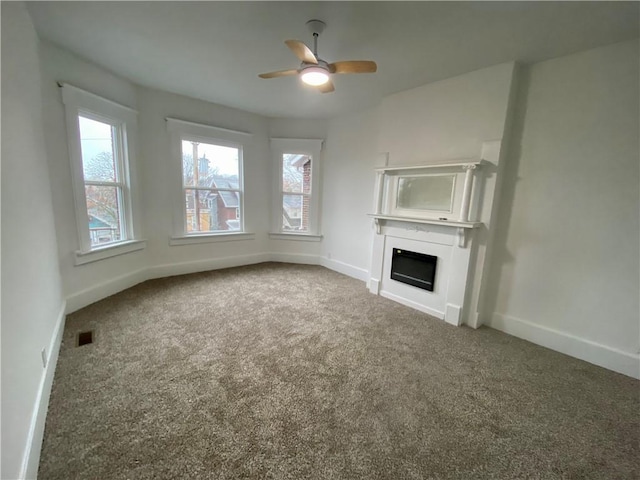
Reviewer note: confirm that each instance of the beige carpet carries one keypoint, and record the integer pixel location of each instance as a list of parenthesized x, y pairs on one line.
[(278, 371)]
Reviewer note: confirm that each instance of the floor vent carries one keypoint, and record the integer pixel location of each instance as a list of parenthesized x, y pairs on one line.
[(85, 338)]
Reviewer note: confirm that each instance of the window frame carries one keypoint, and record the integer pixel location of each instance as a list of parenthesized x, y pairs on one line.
[(240, 190), (182, 130), (297, 146), (123, 120), (302, 194), (121, 182)]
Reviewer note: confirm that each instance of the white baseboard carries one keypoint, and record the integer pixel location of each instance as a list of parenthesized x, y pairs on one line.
[(91, 295), (183, 268), (345, 268), (453, 314), (303, 258), (474, 320), (31, 458), (414, 305), (592, 352)]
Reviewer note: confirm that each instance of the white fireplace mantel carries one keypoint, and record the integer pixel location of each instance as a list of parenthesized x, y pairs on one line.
[(446, 233), (461, 227)]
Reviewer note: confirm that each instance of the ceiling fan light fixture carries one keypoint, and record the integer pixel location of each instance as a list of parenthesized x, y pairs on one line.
[(315, 71), (315, 76)]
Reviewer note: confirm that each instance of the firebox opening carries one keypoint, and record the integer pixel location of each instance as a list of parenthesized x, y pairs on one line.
[(412, 268)]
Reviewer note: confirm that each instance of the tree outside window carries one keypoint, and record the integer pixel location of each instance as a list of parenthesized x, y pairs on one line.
[(103, 180)]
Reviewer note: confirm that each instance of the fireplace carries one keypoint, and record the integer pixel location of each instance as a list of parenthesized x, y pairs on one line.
[(412, 268), (433, 220)]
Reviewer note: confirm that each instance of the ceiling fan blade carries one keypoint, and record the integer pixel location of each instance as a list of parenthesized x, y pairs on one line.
[(301, 51), (327, 87), (353, 66), (279, 73)]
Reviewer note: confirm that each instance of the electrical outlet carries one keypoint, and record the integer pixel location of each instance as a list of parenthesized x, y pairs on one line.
[(43, 353)]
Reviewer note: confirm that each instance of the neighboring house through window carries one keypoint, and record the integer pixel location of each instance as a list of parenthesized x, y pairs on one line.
[(211, 186), (100, 136)]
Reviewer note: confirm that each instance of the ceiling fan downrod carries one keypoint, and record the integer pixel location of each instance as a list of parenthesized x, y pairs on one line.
[(316, 27)]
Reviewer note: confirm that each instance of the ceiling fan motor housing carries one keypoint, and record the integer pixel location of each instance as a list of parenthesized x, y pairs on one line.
[(321, 63)]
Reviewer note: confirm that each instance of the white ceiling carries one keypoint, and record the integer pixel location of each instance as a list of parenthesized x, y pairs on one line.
[(214, 51)]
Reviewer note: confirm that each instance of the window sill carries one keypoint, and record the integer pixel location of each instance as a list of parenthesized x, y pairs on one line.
[(303, 237), (210, 238), (109, 251)]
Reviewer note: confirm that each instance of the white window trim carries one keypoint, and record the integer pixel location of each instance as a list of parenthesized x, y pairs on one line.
[(210, 238), (80, 102), (304, 237), (184, 130), (303, 146), (108, 251)]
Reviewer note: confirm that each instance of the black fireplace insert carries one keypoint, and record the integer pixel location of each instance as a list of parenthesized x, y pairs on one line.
[(412, 268)]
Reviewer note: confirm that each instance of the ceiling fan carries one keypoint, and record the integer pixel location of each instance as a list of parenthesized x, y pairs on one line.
[(315, 71)]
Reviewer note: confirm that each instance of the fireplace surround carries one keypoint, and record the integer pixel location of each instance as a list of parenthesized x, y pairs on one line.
[(454, 229)]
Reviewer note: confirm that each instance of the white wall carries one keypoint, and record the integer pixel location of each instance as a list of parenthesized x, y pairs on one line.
[(297, 128), (32, 300), (159, 179), (85, 283), (567, 271), (348, 181), (445, 120)]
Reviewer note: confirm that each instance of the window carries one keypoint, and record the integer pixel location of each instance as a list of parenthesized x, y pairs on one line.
[(100, 134), (296, 192), (211, 186), (209, 205), (296, 210), (104, 185)]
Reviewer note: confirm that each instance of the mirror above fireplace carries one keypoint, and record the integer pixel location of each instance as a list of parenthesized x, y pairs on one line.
[(437, 192)]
